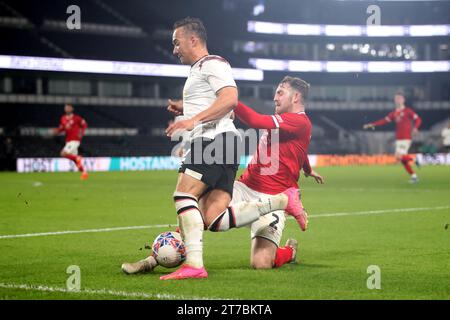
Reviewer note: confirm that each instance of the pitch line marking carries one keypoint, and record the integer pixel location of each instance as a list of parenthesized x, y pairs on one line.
[(26, 235), (161, 296), (360, 213), (322, 215)]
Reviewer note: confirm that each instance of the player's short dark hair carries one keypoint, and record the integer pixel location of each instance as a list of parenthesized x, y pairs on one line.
[(192, 25), (400, 93), (298, 85)]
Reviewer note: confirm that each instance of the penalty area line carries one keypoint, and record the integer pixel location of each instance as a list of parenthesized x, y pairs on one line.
[(123, 294)]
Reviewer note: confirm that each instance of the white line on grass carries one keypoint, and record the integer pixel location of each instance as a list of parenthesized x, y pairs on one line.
[(360, 213), (321, 215), (407, 190), (26, 235), (124, 294)]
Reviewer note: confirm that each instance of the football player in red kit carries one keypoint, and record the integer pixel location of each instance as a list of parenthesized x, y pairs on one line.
[(285, 142), (403, 117), (74, 127)]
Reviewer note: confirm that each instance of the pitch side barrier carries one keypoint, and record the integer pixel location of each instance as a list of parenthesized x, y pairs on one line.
[(172, 163)]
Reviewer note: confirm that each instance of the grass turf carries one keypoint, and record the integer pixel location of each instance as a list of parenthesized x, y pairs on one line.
[(412, 248)]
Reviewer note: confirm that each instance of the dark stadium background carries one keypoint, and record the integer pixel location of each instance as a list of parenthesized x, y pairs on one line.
[(141, 30)]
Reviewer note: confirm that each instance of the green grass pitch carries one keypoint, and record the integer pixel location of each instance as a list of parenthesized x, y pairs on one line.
[(362, 216)]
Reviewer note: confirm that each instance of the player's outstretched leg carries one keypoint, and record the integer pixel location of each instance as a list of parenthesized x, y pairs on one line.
[(244, 213), (141, 266), (286, 254)]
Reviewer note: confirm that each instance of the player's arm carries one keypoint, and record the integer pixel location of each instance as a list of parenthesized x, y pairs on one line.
[(226, 101), (377, 123), (316, 176), (59, 129), (219, 76), (309, 172), (252, 118), (417, 122), (175, 106), (292, 123), (307, 167), (83, 125)]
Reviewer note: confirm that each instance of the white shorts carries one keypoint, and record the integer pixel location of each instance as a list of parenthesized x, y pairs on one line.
[(269, 226), (71, 147), (402, 147)]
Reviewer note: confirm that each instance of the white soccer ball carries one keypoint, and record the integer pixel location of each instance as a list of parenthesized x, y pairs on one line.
[(168, 249)]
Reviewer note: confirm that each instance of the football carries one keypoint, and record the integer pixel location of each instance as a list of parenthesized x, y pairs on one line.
[(168, 249)]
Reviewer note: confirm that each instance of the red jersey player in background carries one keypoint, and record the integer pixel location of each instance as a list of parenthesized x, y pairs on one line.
[(74, 127), (403, 117), (286, 143)]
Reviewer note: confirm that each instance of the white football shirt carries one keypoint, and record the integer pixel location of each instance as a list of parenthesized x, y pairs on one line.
[(206, 77)]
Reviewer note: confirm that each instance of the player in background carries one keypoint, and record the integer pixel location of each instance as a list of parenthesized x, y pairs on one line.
[(403, 117), (74, 127), (294, 130), (445, 134), (209, 97)]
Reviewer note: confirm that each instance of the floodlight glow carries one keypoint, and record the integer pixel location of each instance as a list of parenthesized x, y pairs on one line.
[(430, 66), (343, 31), (350, 66), (348, 30), (386, 66), (385, 31), (303, 29), (266, 27), (429, 30), (344, 66), (112, 67), (304, 66), (269, 64)]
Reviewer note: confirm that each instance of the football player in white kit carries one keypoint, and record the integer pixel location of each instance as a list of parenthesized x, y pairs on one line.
[(209, 169)]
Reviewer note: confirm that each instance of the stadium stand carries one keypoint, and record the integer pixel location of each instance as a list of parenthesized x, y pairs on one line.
[(339, 102)]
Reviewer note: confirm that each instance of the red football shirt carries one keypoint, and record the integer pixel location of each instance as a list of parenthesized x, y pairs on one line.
[(403, 122), (281, 153), (74, 127)]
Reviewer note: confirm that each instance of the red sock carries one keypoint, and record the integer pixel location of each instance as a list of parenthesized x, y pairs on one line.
[(283, 256), (74, 159), (71, 157), (405, 161), (407, 157), (80, 167)]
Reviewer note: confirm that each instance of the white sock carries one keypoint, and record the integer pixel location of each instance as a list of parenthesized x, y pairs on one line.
[(191, 226), (244, 213), (151, 261)]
